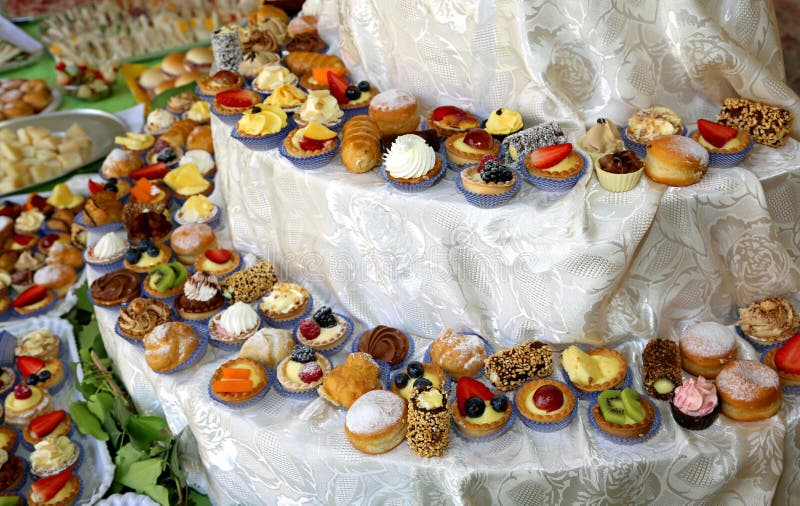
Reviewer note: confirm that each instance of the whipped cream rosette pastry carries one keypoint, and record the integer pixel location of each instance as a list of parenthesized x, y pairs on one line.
[(411, 164), (234, 325), (695, 404), (271, 77), (201, 297), (769, 321), (320, 107), (106, 254)]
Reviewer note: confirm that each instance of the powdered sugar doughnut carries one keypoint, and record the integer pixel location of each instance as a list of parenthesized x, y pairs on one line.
[(675, 160), (395, 112), (706, 347), (749, 390), (376, 421)]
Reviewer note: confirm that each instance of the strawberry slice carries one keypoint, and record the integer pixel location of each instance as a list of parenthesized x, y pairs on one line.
[(49, 240), (10, 211), (218, 256), (311, 144), (29, 365), (787, 358), (34, 294), (338, 86), (444, 111), (715, 133), (235, 98), (45, 489), (153, 171), (23, 240), (45, 424), (35, 201), (549, 156), (95, 187), (468, 387)]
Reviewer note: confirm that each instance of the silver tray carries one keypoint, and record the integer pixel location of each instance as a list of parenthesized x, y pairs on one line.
[(30, 60), (101, 127)]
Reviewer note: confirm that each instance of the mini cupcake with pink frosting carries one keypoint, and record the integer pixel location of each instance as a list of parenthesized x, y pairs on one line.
[(695, 404)]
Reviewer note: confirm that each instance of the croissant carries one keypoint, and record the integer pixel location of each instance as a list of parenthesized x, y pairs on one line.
[(176, 134), (361, 144), (302, 62)]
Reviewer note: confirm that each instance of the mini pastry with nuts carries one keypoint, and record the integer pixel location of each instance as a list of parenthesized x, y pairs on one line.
[(512, 367)]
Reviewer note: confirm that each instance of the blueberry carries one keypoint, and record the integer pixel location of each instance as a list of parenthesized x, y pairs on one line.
[(499, 111), (401, 380), (415, 369), (422, 383), (146, 244), (32, 380), (44, 375), (112, 180), (153, 250), (474, 407), (364, 86), (132, 255), (255, 110), (112, 187), (166, 155), (499, 403), (352, 92)]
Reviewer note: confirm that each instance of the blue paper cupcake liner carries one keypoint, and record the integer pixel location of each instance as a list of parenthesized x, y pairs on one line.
[(26, 471), (45, 309), (592, 396), (263, 143), (550, 427), (222, 344), (446, 387), (292, 323), (180, 200), (505, 428), (228, 119), (170, 301), (136, 342), (355, 111), (213, 223), (787, 389), (411, 350), (70, 434), (5, 315), (202, 334), (330, 352), (639, 149), (75, 468), (727, 160), (53, 390), (414, 187), (103, 229), (307, 395), (488, 201), (624, 440), (271, 380), (103, 268), (203, 96), (554, 185), (311, 162), (760, 347), (489, 351)]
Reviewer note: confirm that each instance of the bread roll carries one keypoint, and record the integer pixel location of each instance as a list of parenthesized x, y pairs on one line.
[(675, 160), (302, 62), (361, 144)]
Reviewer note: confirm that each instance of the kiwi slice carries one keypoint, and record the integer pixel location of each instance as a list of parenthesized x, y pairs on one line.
[(162, 278), (610, 402), (632, 405), (181, 274)]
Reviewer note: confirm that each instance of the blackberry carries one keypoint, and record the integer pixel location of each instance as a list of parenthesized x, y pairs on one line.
[(495, 172), (499, 403), (325, 318), (474, 407), (401, 380), (303, 354)]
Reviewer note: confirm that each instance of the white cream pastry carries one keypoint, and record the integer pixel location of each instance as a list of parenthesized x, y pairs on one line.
[(409, 157), (199, 112), (159, 121), (28, 222), (200, 159), (53, 455), (110, 248), (201, 287), (39, 343), (273, 76), (236, 323), (320, 107), (197, 209)]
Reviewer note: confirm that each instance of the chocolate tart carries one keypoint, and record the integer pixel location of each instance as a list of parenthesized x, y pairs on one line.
[(116, 288), (12, 473)]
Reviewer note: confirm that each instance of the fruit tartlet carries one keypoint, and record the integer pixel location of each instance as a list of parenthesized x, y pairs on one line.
[(201, 297), (554, 168), (9, 439), (120, 187), (146, 256), (34, 300), (411, 164), (769, 321), (478, 412), (138, 143), (7, 379), (468, 148), (262, 127), (223, 80), (489, 184), (546, 405), (232, 327), (785, 360), (387, 344), (320, 107), (726, 145), (54, 455), (54, 424), (284, 304), (353, 99), (695, 404), (21, 242), (141, 316), (198, 209), (47, 374), (302, 372), (318, 78), (271, 77), (26, 403), (239, 381), (115, 288), (325, 331), (162, 152), (449, 120), (344, 384), (228, 105), (418, 375), (623, 415), (287, 97), (165, 281), (41, 343), (12, 472), (219, 262), (595, 370), (147, 192), (186, 181), (106, 254), (503, 122), (310, 147), (62, 489)]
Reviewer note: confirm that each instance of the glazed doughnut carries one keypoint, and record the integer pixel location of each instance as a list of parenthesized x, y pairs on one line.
[(675, 160), (706, 347), (376, 422), (748, 390), (395, 112), (458, 354), (191, 240)]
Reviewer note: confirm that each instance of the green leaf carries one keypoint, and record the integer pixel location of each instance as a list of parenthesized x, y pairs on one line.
[(146, 429), (83, 304), (100, 404), (126, 456), (159, 494), (142, 475), (120, 412), (198, 499), (87, 423)]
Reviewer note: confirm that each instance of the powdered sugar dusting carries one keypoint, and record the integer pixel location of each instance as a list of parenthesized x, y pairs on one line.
[(374, 411), (687, 148), (745, 379), (708, 339), (391, 99), (50, 274)]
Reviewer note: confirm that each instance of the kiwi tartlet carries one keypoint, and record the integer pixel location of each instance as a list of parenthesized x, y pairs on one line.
[(166, 280), (623, 413)]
